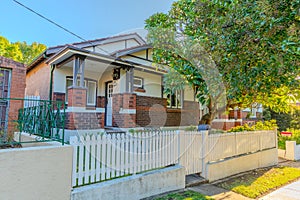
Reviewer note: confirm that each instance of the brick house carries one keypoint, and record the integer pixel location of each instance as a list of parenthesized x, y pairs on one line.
[(12, 85), (109, 83)]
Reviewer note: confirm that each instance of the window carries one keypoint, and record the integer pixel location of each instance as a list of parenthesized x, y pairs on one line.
[(91, 93), (175, 99), (138, 82), (91, 90)]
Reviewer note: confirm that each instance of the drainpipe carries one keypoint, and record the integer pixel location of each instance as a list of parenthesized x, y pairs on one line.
[(51, 82)]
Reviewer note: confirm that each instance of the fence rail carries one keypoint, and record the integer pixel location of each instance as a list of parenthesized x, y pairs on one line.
[(221, 146), (103, 157), (107, 156), (43, 118)]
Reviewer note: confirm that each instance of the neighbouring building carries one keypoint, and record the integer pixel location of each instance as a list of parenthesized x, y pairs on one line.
[(12, 85)]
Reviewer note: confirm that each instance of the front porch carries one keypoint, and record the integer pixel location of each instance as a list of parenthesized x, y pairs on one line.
[(88, 84), (104, 92)]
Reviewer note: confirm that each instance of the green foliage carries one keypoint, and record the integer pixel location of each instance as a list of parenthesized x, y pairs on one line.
[(254, 45), (266, 125), (173, 81), (272, 179), (284, 120), (295, 137), (20, 51), (186, 195)]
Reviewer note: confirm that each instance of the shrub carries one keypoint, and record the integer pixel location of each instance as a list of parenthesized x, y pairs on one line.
[(266, 125), (284, 120), (295, 137)]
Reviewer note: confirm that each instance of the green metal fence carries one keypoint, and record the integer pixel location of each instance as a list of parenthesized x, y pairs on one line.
[(42, 118)]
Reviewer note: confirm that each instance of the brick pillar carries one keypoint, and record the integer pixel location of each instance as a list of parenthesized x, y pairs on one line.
[(77, 97), (101, 102), (123, 105), (239, 115)]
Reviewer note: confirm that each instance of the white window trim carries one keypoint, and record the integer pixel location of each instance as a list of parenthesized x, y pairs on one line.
[(142, 82), (176, 102), (94, 100)]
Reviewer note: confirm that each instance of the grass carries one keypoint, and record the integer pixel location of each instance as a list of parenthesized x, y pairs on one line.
[(255, 185), (186, 195)]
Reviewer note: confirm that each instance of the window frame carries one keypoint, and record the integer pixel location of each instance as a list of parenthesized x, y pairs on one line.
[(95, 93), (177, 105), (142, 82)]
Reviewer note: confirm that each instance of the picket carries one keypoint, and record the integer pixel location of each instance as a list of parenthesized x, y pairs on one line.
[(98, 157), (102, 157)]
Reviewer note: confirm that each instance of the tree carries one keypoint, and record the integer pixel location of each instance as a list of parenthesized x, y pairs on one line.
[(253, 47), (30, 51), (9, 50), (20, 51)]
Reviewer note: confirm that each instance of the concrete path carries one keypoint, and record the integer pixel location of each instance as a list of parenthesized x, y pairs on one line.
[(216, 192), (288, 192)]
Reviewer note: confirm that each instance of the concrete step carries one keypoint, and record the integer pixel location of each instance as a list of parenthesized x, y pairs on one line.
[(194, 179)]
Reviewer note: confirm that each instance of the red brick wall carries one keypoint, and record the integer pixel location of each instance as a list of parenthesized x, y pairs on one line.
[(162, 116), (143, 106), (188, 115), (84, 121), (101, 102), (59, 96), (77, 97), (17, 90), (38, 81), (124, 101)]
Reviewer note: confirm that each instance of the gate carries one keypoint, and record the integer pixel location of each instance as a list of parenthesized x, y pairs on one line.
[(191, 151), (5, 77)]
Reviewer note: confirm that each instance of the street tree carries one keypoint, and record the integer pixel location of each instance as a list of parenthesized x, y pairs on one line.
[(251, 49)]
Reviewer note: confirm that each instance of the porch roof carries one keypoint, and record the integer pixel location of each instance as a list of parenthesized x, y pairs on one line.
[(70, 51)]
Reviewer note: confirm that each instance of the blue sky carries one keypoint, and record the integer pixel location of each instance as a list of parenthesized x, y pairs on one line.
[(88, 18)]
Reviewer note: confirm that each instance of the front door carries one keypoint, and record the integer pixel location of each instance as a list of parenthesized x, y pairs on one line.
[(4, 94), (109, 106)]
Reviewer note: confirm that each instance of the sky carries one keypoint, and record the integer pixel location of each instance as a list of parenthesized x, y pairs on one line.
[(89, 19)]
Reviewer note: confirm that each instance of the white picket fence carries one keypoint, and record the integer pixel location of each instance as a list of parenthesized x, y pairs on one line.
[(31, 101), (191, 153), (103, 157), (221, 146)]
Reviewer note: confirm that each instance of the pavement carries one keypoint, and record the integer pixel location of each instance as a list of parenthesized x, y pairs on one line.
[(287, 192)]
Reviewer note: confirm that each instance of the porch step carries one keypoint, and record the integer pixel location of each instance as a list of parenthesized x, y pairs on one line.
[(112, 130), (194, 179)]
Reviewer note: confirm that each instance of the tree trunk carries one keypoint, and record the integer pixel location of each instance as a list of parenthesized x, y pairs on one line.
[(209, 117)]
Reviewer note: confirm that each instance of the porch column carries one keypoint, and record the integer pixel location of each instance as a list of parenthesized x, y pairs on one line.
[(78, 69), (129, 80), (77, 94)]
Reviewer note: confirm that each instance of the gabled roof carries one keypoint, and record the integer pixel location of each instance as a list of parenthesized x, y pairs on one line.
[(101, 41), (85, 44), (131, 50)]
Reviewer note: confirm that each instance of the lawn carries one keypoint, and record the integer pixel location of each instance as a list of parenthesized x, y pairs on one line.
[(186, 195), (262, 181)]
